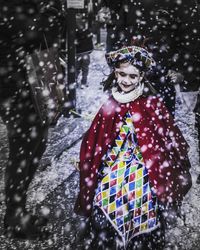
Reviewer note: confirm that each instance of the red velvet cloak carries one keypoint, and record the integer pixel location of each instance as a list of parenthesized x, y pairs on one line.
[(163, 148)]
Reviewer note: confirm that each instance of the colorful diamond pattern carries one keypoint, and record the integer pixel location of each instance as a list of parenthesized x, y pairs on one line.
[(124, 192)]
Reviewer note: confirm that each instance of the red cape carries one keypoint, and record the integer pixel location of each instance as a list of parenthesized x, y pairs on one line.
[(163, 147)]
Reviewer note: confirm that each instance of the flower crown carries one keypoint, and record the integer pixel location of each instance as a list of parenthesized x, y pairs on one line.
[(137, 56)]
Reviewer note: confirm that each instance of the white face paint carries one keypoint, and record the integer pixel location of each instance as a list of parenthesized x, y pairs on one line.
[(128, 77)]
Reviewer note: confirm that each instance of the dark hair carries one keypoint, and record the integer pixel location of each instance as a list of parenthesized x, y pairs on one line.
[(109, 82)]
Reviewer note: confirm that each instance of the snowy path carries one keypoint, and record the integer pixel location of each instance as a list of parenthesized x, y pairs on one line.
[(73, 128), (186, 235)]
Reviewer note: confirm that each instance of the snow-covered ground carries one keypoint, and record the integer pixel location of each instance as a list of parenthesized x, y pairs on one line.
[(185, 234), (89, 101)]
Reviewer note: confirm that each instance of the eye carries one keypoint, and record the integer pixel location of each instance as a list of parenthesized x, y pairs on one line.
[(122, 74), (132, 76)]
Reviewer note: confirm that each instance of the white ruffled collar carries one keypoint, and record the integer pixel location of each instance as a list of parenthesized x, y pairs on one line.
[(122, 97)]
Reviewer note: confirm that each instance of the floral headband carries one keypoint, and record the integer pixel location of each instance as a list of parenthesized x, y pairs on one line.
[(137, 56)]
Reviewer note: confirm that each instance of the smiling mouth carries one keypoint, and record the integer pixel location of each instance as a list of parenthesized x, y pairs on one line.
[(125, 86)]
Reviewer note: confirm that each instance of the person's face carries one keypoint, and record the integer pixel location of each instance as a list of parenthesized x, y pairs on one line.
[(128, 77)]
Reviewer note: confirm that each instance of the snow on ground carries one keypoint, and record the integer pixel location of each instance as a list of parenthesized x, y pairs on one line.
[(185, 234), (89, 100)]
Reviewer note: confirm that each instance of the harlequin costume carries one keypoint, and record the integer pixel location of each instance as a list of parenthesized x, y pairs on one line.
[(123, 192), (162, 146), (132, 157)]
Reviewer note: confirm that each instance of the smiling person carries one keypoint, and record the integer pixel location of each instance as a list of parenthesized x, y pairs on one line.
[(133, 160), (128, 77)]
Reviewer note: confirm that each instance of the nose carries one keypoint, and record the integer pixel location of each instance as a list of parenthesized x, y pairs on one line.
[(127, 80)]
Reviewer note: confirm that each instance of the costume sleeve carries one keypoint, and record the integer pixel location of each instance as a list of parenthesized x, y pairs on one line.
[(88, 168), (168, 127), (96, 141), (171, 165)]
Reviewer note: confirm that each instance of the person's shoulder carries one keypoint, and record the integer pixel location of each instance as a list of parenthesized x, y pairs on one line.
[(150, 101), (109, 102), (148, 98), (109, 107)]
